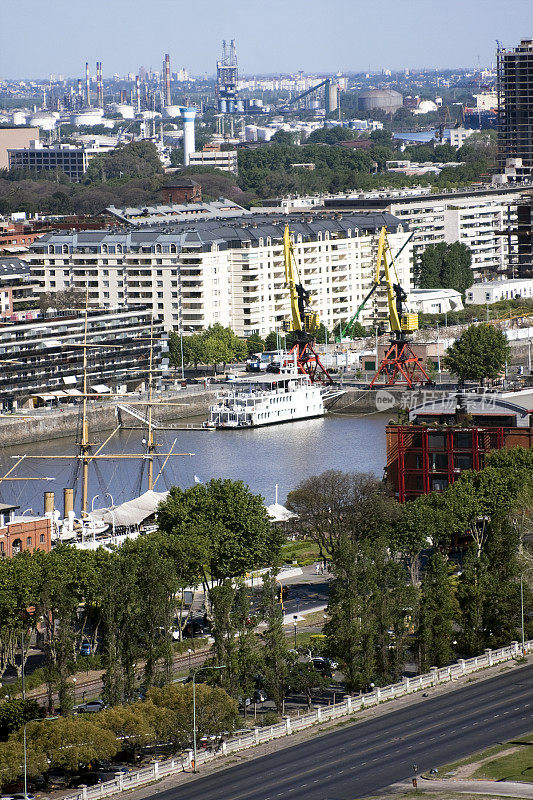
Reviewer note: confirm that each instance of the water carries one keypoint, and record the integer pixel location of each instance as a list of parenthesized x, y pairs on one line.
[(261, 457)]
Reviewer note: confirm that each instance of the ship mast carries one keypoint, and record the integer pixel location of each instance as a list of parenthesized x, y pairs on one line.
[(151, 444), (84, 444)]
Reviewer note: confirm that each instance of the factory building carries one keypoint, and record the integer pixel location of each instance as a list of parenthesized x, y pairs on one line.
[(227, 77), (515, 105), (40, 157), (492, 291), (225, 160), (201, 272)]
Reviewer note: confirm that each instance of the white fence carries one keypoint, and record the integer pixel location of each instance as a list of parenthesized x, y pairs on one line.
[(289, 725)]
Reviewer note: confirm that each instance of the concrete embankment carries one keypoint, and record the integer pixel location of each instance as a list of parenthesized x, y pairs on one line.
[(57, 423), (368, 401)]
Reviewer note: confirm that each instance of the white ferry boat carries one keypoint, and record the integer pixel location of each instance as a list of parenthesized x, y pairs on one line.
[(267, 400)]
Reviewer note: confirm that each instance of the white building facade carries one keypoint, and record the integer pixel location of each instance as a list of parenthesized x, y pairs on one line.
[(492, 291), (227, 272)]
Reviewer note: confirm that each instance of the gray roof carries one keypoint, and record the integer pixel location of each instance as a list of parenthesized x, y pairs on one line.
[(226, 233), (479, 404), (13, 266)]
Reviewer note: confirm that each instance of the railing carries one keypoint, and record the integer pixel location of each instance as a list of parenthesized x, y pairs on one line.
[(290, 725)]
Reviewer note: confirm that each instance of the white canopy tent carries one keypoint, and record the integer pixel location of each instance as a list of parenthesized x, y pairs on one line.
[(131, 513), (279, 513)]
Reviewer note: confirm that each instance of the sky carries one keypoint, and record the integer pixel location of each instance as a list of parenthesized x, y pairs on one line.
[(43, 37)]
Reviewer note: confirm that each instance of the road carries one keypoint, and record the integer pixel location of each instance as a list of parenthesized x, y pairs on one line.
[(359, 760)]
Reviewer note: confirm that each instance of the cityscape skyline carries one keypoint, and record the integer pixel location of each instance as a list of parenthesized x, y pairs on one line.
[(311, 36)]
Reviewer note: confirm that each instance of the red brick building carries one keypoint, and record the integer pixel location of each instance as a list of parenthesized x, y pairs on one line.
[(183, 190), (19, 533), (447, 436)]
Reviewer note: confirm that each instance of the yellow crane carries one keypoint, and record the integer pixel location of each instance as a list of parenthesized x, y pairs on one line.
[(400, 365), (304, 320)]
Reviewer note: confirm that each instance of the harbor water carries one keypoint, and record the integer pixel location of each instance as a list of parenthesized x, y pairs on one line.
[(261, 457)]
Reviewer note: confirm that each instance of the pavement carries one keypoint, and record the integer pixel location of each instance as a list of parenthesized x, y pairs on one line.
[(363, 758), (450, 786)]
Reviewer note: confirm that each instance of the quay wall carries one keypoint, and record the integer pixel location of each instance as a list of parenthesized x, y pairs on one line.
[(49, 424)]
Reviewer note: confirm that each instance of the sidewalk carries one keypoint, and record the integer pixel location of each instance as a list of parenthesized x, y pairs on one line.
[(451, 786)]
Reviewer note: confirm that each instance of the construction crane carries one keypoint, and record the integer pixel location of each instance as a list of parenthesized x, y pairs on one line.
[(346, 330), (400, 365), (304, 320)]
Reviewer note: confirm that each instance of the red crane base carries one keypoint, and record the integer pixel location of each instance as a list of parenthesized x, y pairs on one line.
[(401, 367), (308, 362)]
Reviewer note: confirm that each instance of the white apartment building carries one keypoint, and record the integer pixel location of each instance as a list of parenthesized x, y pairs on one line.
[(227, 271), (476, 217)]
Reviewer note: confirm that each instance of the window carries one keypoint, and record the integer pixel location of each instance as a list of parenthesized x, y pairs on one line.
[(41, 538), (28, 541)]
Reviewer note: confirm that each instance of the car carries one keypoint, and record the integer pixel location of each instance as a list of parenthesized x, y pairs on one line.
[(195, 627), (86, 649), (91, 707), (22, 796)]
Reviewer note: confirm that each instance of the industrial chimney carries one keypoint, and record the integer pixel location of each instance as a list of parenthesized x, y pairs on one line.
[(137, 93), (189, 146), (87, 85), (166, 73), (99, 85), (80, 94)]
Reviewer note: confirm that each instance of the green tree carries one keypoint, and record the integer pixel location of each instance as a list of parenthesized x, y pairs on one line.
[(216, 711), (254, 344), (438, 610), (228, 520), (275, 654), (447, 266), (480, 353), (70, 742), (14, 713)]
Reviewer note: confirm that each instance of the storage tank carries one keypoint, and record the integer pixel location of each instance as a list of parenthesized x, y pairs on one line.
[(126, 111), (19, 118), (45, 121), (90, 117), (250, 133), (425, 106), (170, 112), (383, 99)]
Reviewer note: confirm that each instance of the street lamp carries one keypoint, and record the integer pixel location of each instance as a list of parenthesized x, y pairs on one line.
[(295, 621), (529, 569), (189, 652), (222, 666)]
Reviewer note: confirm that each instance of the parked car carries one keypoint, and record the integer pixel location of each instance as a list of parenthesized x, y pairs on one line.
[(195, 627), (22, 796), (91, 707)]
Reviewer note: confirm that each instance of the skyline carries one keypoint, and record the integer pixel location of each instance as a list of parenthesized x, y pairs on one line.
[(276, 37)]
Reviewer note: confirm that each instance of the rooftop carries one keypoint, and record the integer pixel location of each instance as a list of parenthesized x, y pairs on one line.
[(203, 233)]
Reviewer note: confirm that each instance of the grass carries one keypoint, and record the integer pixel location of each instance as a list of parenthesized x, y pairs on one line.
[(513, 766), (301, 552), (517, 766)]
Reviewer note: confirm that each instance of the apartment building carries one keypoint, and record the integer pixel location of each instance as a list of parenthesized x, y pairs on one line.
[(227, 271), (477, 218), (43, 358), (41, 157), (220, 159)]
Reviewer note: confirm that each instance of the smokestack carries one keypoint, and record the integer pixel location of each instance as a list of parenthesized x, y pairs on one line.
[(99, 85), (68, 501), (188, 115), (87, 85), (137, 93), (166, 70), (48, 503), (80, 93)]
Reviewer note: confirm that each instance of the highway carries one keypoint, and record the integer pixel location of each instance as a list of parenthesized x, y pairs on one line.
[(358, 760)]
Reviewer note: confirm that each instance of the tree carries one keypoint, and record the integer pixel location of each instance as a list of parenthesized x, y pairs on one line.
[(447, 266), (70, 742), (14, 713), (254, 344), (275, 653), (216, 711), (438, 609), (480, 353), (228, 521), (336, 503)]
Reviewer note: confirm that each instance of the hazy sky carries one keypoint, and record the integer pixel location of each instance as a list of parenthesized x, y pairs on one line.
[(39, 37)]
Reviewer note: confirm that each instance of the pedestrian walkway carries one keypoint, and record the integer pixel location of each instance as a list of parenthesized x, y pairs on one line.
[(451, 786)]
